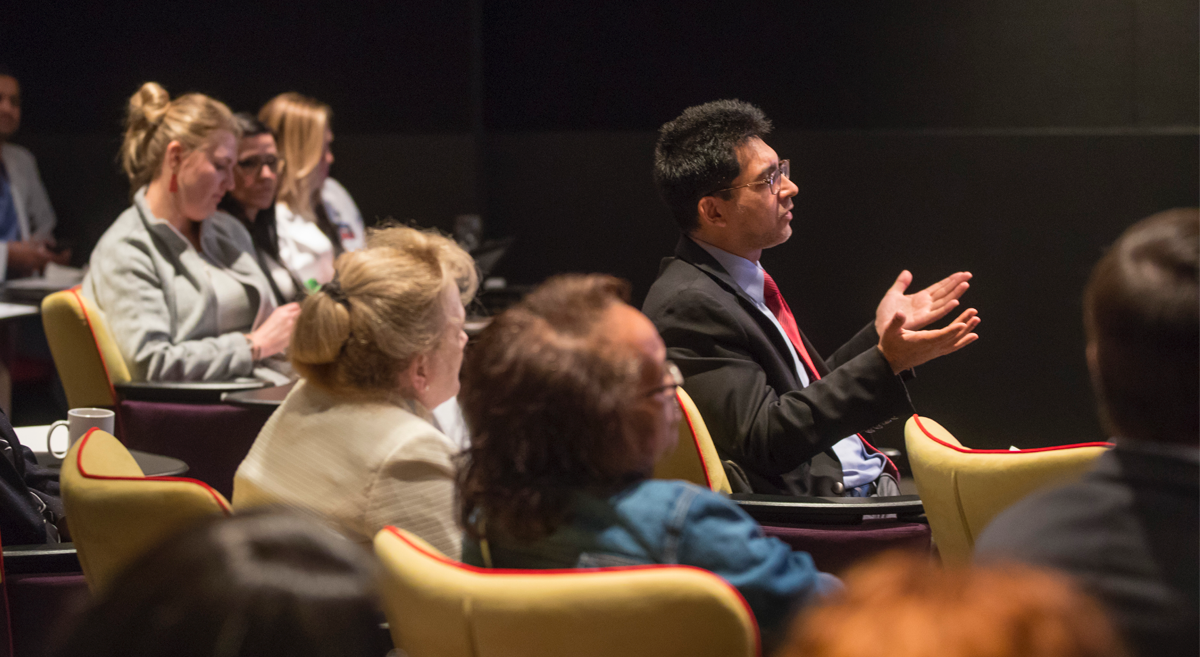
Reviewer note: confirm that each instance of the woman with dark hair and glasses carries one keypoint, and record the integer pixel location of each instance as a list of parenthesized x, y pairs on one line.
[(252, 202), (571, 401), (260, 585)]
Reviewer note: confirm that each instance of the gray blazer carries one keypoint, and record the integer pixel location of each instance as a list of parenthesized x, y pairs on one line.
[(152, 287)]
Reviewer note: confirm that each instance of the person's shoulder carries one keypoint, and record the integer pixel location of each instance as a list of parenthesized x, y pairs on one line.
[(1049, 520), (15, 155), (230, 229), (332, 187), (408, 436), (128, 229), (682, 283), (670, 497)]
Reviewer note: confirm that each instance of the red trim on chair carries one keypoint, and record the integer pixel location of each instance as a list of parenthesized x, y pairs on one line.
[(582, 571), (695, 441), (99, 352), (965, 450), (79, 464)]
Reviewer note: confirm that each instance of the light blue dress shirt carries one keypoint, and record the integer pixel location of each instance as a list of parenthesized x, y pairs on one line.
[(858, 467)]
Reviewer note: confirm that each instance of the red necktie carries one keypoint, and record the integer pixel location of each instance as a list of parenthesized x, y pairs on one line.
[(779, 307)]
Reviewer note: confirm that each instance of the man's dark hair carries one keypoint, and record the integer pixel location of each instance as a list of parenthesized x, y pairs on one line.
[(697, 153), (6, 71), (1142, 317), (551, 405)]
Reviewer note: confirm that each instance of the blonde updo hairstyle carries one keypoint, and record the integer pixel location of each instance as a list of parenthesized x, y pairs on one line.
[(153, 121), (299, 123), (384, 308)]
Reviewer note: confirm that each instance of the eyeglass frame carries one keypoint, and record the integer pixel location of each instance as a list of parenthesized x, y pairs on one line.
[(257, 171), (775, 178), (670, 369)]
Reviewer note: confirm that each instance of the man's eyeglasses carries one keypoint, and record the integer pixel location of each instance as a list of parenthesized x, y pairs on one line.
[(773, 181), (672, 379), (254, 165)]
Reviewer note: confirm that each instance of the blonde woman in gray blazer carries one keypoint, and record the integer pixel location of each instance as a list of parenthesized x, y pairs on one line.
[(178, 282)]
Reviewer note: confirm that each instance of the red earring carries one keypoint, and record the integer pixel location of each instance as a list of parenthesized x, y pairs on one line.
[(174, 184)]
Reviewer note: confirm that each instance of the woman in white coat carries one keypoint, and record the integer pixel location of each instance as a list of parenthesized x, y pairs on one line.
[(315, 217)]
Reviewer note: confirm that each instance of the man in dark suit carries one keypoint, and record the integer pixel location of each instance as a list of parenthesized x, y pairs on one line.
[(783, 418), (1129, 530)]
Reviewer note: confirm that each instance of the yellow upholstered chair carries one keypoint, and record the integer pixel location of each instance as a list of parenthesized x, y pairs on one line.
[(116, 513), (85, 354), (695, 457), (440, 608), (964, 489)]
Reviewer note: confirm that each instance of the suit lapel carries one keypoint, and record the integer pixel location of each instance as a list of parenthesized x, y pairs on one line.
[(693, 254)]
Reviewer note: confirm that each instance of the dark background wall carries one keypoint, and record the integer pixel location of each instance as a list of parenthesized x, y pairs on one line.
[(1014, 141)]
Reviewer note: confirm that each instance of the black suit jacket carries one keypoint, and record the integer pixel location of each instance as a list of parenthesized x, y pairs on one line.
[(1129, 531), (738, 369)]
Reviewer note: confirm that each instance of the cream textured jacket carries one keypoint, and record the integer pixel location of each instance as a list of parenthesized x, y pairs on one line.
[(359, 465)]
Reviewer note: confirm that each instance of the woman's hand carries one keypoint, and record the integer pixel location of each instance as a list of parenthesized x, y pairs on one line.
[(275, 334)]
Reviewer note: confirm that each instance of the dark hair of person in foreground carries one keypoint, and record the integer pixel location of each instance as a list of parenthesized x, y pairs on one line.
[(1140, 312), (553, 409), (906, 605), (261, 584)]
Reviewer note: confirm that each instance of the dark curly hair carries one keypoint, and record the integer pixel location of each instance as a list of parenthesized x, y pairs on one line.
[(696, 153), (550, 402)]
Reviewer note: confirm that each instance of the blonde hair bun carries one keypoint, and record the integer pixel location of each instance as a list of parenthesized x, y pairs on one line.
[(153, 121), (385, 307)]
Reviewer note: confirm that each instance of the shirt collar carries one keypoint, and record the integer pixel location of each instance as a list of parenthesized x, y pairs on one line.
[(748, 275)]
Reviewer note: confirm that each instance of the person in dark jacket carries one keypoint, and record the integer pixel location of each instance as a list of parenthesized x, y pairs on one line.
[(1129, 530)]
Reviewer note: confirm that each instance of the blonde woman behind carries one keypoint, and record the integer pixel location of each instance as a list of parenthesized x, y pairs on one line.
[(316, 218), (177, 281), (378, 347)]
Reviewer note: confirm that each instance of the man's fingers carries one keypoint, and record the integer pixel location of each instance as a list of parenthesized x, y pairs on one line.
[(965, 340), (902, 282), (952, 286)]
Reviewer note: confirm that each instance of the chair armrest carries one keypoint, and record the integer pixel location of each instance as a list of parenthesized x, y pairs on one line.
[(786, 509), (184, 392), (57, 558)]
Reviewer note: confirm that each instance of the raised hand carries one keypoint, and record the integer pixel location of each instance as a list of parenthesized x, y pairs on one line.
[(905, 349), (920, 308)]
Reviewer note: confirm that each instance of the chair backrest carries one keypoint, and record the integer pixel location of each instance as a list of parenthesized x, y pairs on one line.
[(117, 513), (85, 354), (964, 489), (438, 607), (695, 457)]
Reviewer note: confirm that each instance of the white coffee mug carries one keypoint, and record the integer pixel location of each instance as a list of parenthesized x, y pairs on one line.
[(78, 422)]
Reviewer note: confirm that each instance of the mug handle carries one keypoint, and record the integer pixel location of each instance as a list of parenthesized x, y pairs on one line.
[(50, 435)]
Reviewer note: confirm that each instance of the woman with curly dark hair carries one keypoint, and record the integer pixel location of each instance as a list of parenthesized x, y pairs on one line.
[(571, 401)]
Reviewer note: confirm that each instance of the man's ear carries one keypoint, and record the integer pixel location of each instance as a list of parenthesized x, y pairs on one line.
[(709, 212)]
